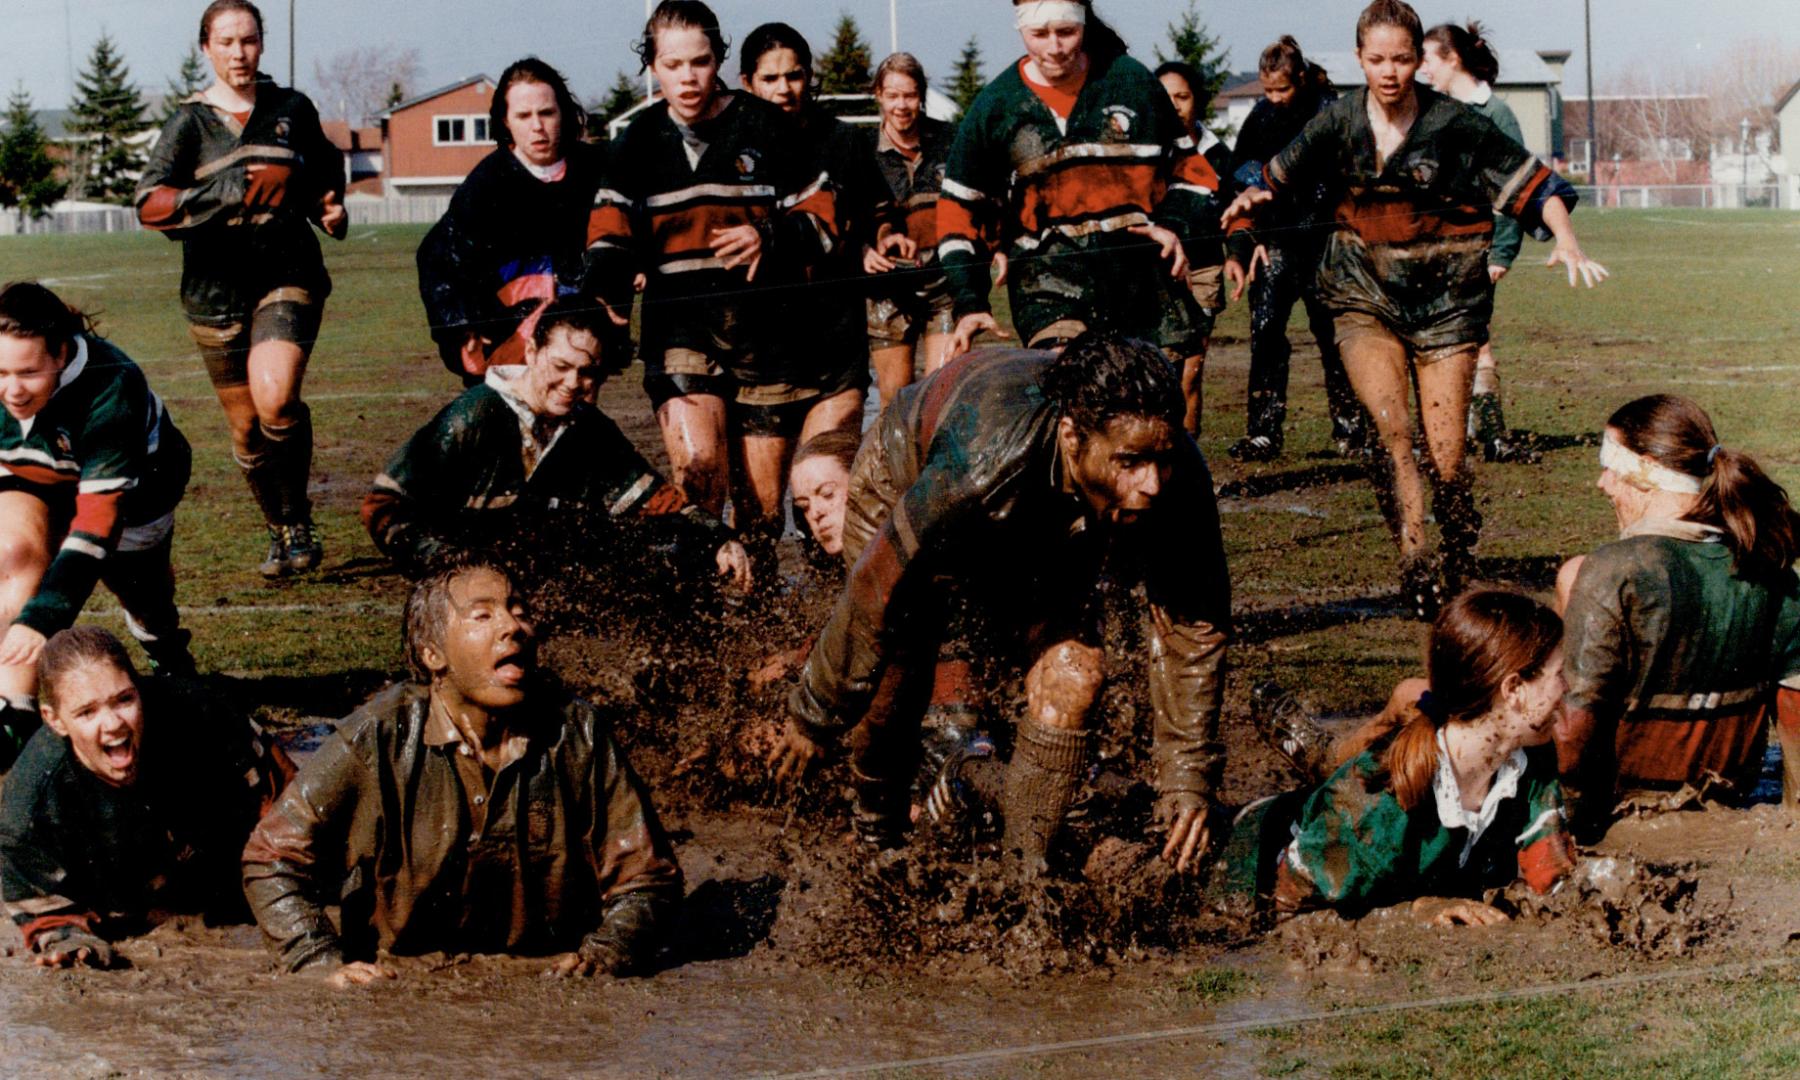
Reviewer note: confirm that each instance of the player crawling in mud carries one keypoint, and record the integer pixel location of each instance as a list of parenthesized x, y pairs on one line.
[(477, 808), (129, 803), (1017, 476), (1450, 791), (526, 451)]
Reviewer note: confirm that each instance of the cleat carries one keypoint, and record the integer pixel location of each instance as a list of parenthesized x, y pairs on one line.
[(948, 801), (1254, 448), (1283, 722)]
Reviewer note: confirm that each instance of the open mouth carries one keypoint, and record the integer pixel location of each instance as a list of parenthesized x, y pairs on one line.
[(511, 668), (119, 752)]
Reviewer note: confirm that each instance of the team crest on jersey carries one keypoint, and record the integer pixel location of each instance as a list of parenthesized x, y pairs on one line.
[(1119, 120), (65, 445), (282, 127), (746, 163)]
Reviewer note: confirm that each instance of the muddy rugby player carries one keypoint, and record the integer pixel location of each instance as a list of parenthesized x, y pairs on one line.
[(476, 808), (1013, 478)]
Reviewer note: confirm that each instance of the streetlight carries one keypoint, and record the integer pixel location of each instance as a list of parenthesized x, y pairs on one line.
[(1744, 180)]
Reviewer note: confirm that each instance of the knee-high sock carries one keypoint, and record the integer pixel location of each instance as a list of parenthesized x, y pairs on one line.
[(1040, 783), (261, 470), (291, 447), (1486, 422), (145, 586)]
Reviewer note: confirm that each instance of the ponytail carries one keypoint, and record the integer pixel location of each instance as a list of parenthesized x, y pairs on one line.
[(1736, 495), (1470, 46)]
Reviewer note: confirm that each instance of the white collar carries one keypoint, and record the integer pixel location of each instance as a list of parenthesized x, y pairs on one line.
[(1674, 529), (73, 369), (1482, 95), (504, 379), (549, 174), (1449, 796), (1207, 139)]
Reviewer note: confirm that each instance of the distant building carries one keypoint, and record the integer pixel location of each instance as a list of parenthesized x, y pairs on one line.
[(1787, 133), (362, 155), (1641, 139), (430, 143)]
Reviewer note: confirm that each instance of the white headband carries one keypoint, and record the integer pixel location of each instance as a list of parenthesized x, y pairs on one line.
[(1035, 13), (1641, 472)]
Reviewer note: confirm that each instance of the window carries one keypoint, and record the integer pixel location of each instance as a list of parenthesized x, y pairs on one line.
[(459, 130)]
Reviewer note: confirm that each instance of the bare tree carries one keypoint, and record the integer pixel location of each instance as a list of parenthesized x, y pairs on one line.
[(1664, 116), (355, 84), (1744, 84)]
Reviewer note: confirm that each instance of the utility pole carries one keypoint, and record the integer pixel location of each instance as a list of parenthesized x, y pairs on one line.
[(649, 76), (1587, 18), (291, 42), (893, 26)]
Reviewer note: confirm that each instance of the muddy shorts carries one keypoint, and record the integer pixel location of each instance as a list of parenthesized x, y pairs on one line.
[(1424, 346), (1208, 286), (773, 409), (901, 319), (286, 314)]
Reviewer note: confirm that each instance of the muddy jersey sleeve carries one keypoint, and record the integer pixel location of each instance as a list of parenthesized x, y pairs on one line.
[(424, 478), (639, 880), (1505, 174), (35, 880), (970, 207), (1312, 155), (1597, 659), (804, 228), (171, 198), (1546, 849), (610, 260), (1349, 843), (629, 487), (301, 855)]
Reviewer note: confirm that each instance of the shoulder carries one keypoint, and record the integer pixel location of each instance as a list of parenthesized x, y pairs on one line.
[(1632, 557), (1002, 94), (382, 715), (292, 101), (110, 384), (35, 780), (645, 127), (499, 163), (1125, 69)]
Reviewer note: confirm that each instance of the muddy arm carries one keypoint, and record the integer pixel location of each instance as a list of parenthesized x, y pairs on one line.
[(640, 881), (1187, 680)]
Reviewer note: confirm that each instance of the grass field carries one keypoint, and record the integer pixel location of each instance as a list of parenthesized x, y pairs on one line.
[(1703, 304)]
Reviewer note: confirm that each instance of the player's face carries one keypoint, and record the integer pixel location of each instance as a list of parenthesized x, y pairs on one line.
[(1629, 502), (821, 487), (779, 79), (28, 374), (1056, 49), (1390, 62), (899, 103), (234, 45), (1122, 469), (489, 646), (1438, 67), (1181, 96), (534, 120), (1277, 88), (685, 70), (1530, 719), (563, 372), (99, 711)]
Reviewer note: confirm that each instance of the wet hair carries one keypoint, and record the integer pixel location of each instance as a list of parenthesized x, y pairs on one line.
[(681, 15), (220, 7), (1470, 46), (428, 606), (839, 443), (900, 63), (1285, 58), (1102, 375), (1479, 639), (1100, 41), (767, 38), (573, 312), (29, 310), (76, 647), (1736, 495), (1396, 13), (533, 70)]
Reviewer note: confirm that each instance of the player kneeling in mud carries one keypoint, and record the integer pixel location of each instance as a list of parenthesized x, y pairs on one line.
[(1452, 790), (129, 803), (1012, 479), (477, 808), (524, 455)]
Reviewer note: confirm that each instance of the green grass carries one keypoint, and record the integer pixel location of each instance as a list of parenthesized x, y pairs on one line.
[(1214, 984)]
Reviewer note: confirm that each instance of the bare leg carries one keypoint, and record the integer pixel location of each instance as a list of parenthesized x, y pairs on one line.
[(1193, 372), (1377, 366), (933, 344), (841, 410), (1444, 407), (693, 429), (1051, 749), (24, 556), (893, 366), (765, 459)]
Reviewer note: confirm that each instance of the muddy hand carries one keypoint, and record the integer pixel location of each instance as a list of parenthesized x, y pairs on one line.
[(573, 965), (82, 957), (795, 756), (734, 563), (1170, 244), (1439, 911), (740, 245), (1189, 839), (962, 339), (360, 973)]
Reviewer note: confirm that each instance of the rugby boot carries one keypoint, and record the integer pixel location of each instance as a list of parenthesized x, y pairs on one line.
[(19, 720), (1459, 524), (952, 798), (305, 550), (1283, 722), (169, 655), (1255, 448), (1421, 590), (879, 811)]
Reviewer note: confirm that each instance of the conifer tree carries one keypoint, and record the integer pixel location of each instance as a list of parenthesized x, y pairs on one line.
[(188, 81), (617, 102), (27, 171), (845, 69), (108, 111), (1190, 43), (966, 84)]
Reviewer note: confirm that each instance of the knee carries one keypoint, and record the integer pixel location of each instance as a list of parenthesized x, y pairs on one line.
[(1061, 687), (1565, 582), (23, 555)]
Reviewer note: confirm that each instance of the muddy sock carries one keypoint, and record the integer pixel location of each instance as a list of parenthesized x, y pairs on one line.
[(260, 471), (290, 448), (1040, 783), (1459, 523), (881, 810), (1486, 424), (19, 720), (985, 781)]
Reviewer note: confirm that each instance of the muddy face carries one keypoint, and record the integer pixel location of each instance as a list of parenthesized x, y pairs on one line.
[(97, 708), (1120, 470), (1056, 49), (563, 372), (28, 375), (1531, 707), (1390, 62), (821, 487), (487, 651), (234, 45)]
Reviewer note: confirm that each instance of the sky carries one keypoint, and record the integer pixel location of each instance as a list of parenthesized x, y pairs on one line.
[(589, 39)]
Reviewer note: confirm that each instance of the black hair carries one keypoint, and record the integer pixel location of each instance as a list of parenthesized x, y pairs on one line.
[(1196, 86), (220, 7), (768, 37), (29, 310), (1470, 46), (1103, 375), (678, 15), (1396, 13), (428, 606), (533, 70)]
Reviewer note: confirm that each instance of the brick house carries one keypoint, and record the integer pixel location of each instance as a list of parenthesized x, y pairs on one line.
[(430, 143), (362, 155)]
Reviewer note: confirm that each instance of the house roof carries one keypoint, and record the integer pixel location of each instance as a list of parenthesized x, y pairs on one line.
[(347, 138), (439, 92), (1782, 101), (1245, 84)]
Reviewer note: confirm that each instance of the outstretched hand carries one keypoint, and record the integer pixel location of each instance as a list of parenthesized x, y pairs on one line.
[(1190, 837), (1592, 273), (962, 339), (360, 973), (1442, 911), (1239, 277), (21, 647), (740, 245), (1170, 244), (1244, 205), (794, 758)]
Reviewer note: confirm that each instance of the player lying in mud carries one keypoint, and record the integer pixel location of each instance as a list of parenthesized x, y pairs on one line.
[(132, 801), (477, 808), (525, 456), (1013, 479)]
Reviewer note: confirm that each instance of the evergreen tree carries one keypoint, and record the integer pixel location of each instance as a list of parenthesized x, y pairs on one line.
[(968, 80), (188, 81), (27, 171), (108, 110), (617, 102), (845, 69), (1189, 42)]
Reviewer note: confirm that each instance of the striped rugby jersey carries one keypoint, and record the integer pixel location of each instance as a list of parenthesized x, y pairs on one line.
[(1018, 178), (89, 448), (244, 234)]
